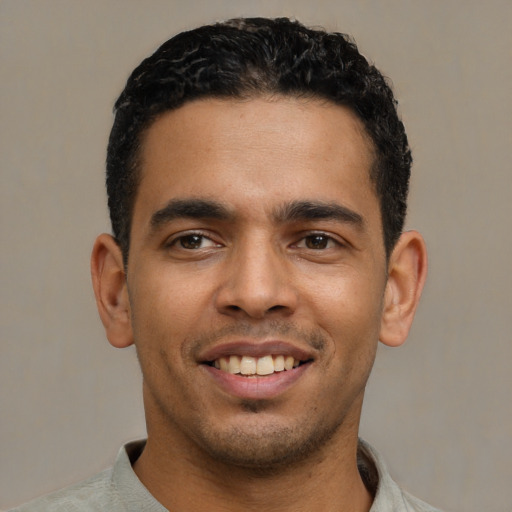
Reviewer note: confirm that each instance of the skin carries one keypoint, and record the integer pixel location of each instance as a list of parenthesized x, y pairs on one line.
[(256, 275)]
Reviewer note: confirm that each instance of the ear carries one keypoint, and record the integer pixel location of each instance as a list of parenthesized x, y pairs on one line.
[(110, 289), (407, 271)]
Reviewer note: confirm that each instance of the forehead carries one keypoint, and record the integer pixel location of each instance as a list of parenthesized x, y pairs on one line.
[(256, 152)]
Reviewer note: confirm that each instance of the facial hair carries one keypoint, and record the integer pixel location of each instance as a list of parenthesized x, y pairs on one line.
[(271, 446)]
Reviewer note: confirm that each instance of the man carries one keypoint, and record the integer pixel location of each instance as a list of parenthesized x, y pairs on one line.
[(257, 176)]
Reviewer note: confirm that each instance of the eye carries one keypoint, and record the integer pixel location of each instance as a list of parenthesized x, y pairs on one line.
[(193, 241), (318, 242)]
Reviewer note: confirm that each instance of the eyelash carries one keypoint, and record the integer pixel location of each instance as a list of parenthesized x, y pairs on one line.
[(181, 238), (328, 239)]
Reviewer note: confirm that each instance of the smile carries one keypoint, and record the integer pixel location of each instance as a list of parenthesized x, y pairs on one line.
[(256, 370), (249, 365)]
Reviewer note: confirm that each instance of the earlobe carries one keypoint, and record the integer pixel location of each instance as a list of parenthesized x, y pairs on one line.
[(407, 272), (110, 289)]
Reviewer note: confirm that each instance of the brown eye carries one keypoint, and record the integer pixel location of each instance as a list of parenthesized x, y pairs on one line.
[(317, 242), (191, 241)]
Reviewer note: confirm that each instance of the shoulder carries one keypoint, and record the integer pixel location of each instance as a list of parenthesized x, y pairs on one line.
[(389, 497), (96, 493), (415, 505), (116, 490)]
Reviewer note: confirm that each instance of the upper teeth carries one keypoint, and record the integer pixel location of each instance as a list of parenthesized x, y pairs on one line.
[(248, 365)]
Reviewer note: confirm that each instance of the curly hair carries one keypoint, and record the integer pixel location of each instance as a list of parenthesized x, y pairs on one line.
[(243, 58)]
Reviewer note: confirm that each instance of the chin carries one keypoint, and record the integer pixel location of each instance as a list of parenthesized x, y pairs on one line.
[(266, 448)]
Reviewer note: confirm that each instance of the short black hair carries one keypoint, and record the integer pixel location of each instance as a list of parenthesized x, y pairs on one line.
[(243, 58)]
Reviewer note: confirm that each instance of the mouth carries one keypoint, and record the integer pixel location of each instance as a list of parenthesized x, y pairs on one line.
[(251, 366), (256, 369)]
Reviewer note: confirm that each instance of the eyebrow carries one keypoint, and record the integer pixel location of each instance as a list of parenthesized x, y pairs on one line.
[(290, 212), (317, 210), (189, 209)]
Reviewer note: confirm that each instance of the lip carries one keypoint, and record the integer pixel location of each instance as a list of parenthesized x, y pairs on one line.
[(256, 387), (255, 349)]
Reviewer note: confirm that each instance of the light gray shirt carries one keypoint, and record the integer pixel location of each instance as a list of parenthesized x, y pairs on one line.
[(119, 490)]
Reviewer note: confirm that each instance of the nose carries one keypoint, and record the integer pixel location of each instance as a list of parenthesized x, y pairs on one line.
[(257, 284)]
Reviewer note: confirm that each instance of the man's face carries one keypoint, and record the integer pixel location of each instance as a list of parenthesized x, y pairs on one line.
[(256, 242)]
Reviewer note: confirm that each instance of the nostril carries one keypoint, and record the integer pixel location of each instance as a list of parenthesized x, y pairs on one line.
[(277, 308), (235, 309)]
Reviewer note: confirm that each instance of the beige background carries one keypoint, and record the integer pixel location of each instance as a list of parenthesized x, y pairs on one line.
[(439, 408)]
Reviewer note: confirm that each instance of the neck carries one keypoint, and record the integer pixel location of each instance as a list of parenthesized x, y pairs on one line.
[(183, 478)]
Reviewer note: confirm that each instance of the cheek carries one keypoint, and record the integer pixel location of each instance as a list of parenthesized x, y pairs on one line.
[(162, 313), (348, 310), (347, 301), (166, 303)]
